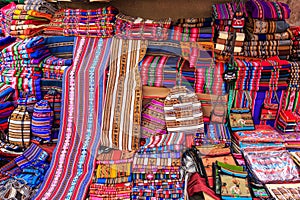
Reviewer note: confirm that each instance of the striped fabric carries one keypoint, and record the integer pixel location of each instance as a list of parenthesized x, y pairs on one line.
[(123, 103), (73, 160)]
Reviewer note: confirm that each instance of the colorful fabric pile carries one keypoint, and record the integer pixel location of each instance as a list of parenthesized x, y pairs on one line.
[(20, 67), (192, 30), (90, 23), (156, 168), (54, 67), (267, 32), (55, 27), (138, 28), (6, 17), (264, 75), (30, 19), (224, 16), (166, 71), (21, 177), (113, 175), (263, 136)]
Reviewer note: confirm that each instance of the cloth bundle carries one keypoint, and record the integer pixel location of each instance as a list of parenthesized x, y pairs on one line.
[(60, 46), (21, 177), (20, 67), (263, 75), (6, 16), (163, 71), (41, 6), (55, 27), (267, 31), (156, 168), (30, 19), (208, 75), (296, 42), (90, 23), (223, 15), (42, 120), (269, 10), (113, 176), (53, 67), (192, 30), (138, 28), (263, 136), (224, 43), (271, 165)]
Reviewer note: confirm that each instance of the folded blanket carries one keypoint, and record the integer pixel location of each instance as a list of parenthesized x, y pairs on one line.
[(261, 9), (266, 26)]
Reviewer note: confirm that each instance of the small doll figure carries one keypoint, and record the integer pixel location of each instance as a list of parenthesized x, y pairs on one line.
[(224, 189), (235, 190)]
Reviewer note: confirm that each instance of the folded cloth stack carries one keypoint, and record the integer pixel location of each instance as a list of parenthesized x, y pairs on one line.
[(263, 75), (6, 16), (129, 27), (192, 30), (223, 14), (54, 67), (156, 168), (263, 136), (208, 75), (60, 46), (55, 27), (90, 23), (296, 42), (294, 81), (41, 6), (224, 43), (163, 71), (29, 23), (113, 176), (20, 65), (266, 22), (21, 177), (271, 165)]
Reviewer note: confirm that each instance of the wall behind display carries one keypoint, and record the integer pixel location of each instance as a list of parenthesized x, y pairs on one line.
[(156, 9)]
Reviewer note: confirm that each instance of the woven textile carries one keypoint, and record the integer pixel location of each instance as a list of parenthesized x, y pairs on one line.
[(161, 71), (261, 9), (123, 103), (183, 111), (73, 161), (272, 166), (284, 191), (138, 28), (153, 118), (89, 23), (42, 120)]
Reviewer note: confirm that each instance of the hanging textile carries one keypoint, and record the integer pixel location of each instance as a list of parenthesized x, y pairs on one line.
[(123, 103), (74, 159)]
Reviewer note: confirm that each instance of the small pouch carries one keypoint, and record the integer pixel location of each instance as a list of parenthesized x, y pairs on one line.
[(231, 181), (240, 119), (218, 114)]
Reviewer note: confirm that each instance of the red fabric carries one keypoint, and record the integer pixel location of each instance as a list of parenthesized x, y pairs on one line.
[(197, 184)]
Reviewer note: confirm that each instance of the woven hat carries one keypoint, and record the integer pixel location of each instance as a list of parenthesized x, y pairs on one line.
[(183, 112), (153, 118)]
